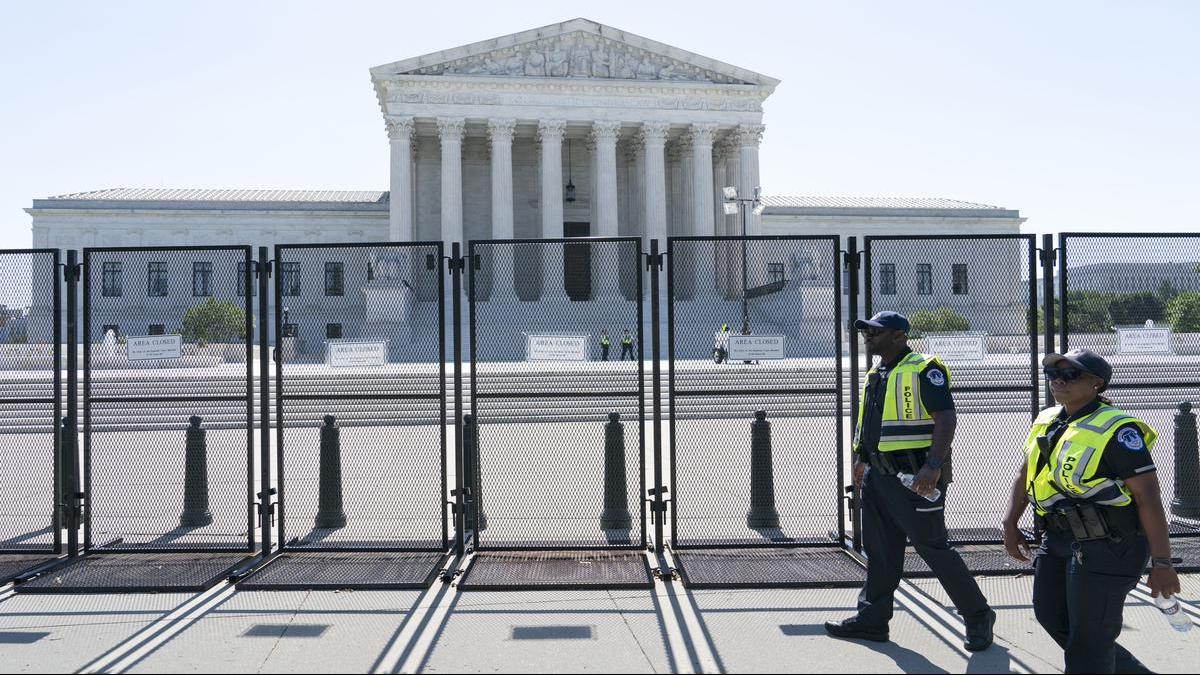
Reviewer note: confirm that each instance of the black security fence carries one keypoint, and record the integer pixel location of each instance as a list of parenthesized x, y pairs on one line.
[(755, 377), (1135, 299), (972, 300), (553, 438), (168, 395), (30, 403), (360, 397)]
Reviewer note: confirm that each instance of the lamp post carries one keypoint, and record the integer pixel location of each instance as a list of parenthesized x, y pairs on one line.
[(734, 204)]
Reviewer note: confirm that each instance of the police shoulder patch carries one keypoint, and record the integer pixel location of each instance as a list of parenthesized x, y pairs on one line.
[(936, 377), (1131, 439)]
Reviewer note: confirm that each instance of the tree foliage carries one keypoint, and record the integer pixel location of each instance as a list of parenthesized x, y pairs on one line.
[(1183, 312), (213, 321), (941, 320)]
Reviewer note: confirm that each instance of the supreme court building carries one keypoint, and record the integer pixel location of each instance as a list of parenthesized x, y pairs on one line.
[(569, 130)]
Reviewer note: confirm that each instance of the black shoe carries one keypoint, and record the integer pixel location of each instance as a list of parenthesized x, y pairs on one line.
[(979, 632), (852, 629)]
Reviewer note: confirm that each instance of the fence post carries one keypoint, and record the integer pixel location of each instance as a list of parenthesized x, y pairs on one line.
[(616, 514), (762, 513), (195, 478), (329, 509), (476, 518), (1186, 503)]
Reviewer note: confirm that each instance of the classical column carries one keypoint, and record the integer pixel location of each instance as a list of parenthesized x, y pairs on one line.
[(450, 134), (733, 222), (635, 155), (683, 189), (721, 227), (500, 134), (702, 223), (400, 200), (550, 135), (749, 136), (654, 139), (604, 210)]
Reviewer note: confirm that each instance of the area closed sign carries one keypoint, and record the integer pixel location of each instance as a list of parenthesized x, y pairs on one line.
[(343, 354), (757, 347)]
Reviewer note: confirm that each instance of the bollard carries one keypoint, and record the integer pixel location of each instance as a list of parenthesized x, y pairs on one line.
[(762, 513), (330, 515), (471, 476), (195, 478), (1186, 503), (616, 495)]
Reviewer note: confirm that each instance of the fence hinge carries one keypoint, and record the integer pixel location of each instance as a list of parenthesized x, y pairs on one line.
[(456, 264), (261, 268), (72, 272), (1050, 253), (660, 490), (654, 263), (852, 262)]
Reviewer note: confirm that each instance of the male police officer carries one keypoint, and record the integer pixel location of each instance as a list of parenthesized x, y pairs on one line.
[(906, 424), (605, 343), (627, 345)]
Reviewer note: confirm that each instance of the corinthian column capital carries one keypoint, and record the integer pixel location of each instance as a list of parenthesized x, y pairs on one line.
[(399, 127), (703, 133), (451, 128), (605, 131), (749, 134), (500, 130), (551, 130), (654, 133)]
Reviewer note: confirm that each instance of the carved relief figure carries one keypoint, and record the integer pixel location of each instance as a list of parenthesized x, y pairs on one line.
[(514, 65), (623, 66), (535, 64), (581, 59), (601, 65), (556, 61), (646, 70)]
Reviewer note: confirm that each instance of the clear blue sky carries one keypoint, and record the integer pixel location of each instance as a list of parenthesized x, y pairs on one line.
[(1083, 115)]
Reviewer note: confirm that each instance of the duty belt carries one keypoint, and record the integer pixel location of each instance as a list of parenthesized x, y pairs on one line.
[(1087, 522), (892, 463)]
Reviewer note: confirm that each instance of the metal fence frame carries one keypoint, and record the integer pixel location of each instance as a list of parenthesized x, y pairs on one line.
[(840, 384)]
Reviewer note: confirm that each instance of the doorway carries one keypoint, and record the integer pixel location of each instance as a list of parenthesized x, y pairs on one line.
[(577, 262)]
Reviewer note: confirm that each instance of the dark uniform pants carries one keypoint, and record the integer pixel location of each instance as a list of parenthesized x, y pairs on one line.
[(1080, 604), (892, 513), (603, 352), (627, 349)]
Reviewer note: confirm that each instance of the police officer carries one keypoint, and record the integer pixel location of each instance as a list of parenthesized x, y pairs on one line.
[(1090, 477), (605, 343), (906, 424), (627, 346)]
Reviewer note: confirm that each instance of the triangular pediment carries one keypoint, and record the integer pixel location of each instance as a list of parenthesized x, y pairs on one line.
[(579, 49)]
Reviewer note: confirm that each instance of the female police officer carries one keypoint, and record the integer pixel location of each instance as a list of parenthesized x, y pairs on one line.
[(1090, 477)]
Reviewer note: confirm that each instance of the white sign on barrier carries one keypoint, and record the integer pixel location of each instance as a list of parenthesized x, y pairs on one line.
[(957, 347), (557, 347), (1144, 341), (150, 347), (341, 354), (757, 347)]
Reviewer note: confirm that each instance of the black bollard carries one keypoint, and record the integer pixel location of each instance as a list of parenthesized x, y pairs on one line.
[(1186, 503), (471, 476), (330, 515), (195, 478), (762, 513), (616, 494)]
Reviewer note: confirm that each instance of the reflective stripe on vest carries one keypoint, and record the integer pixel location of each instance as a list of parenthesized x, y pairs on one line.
[(1070, 470), (906, 424)]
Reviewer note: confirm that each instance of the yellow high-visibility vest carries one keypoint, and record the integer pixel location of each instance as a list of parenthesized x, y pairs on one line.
[(906, 424), (1070, 470)]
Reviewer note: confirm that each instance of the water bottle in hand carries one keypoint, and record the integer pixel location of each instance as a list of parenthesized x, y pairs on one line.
[(906, 479), (1170, 607)]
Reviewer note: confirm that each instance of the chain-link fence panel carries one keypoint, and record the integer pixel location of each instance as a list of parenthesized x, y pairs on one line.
[(168, 398), (31, 404), (755, 380), (1135, 300), (553, 447), (971, 300), (361, 395)]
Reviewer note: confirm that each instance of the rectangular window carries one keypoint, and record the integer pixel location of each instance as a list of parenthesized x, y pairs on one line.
[(774, 273), (289, 279), (887, 279), (156, 329), (201, 279), (924, 279), (156, 279), (960, 280), (335, 276), (333, 331), (110, 286), (241, 281)]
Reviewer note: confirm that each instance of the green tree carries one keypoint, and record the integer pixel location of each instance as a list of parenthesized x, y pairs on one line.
[(941, 320), (1129, 309), (1167, 290), (1184, 312), (1087, 312), (213, 321)]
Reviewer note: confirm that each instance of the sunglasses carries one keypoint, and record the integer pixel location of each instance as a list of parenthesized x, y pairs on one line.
[(871, 332), (1064, 374)]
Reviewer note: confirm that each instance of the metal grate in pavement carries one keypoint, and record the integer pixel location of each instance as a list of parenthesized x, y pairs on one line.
[(769, 568), (352, 570), (12, 566), (980, 559), (137, 573), (557, 570)]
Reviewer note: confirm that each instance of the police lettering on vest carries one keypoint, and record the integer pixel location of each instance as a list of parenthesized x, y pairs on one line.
[(906, 424)]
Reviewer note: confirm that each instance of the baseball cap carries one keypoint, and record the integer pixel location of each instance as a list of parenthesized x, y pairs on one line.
[(1084, 359), (889, 320)]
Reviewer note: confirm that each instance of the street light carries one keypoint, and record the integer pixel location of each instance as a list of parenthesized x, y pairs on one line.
[(732, 205)]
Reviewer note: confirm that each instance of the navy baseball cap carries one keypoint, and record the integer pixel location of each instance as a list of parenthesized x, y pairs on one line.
[(890, 320), (1084, 359)]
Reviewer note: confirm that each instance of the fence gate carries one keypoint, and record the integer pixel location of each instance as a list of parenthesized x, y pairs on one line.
[(973, 301), (360, 411), (30, 409), (167, 420), (756, 411), (553, 445), (1135, 299)]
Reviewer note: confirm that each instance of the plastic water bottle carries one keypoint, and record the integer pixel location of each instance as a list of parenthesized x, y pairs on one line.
[(1170, 607), (906, 479)]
